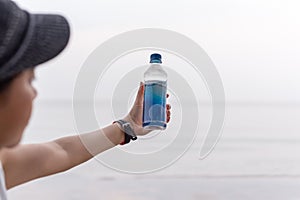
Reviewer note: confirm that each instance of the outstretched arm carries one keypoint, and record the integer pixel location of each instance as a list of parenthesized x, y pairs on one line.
[(27, 162)]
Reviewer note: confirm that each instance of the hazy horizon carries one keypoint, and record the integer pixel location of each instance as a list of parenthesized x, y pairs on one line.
[(254, 44)]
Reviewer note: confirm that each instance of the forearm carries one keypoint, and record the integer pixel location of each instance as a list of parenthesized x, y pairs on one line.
[(83, 147), (27, 162)]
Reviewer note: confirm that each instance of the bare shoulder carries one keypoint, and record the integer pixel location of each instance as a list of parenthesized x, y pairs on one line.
[(26, 162), (3, 153), (22, 152), (6, 153)]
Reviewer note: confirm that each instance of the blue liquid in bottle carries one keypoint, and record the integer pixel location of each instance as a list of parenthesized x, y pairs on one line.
[(154, 113)]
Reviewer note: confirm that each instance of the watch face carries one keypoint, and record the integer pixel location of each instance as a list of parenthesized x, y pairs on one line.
[(126, 126), (127, 129)]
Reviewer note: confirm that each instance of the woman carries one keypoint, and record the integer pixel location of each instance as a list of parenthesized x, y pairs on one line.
[(27, 40)]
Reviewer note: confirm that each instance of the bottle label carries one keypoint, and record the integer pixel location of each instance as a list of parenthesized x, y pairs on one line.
[(155, 103)]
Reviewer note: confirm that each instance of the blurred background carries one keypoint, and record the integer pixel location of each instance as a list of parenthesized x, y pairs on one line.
[(254, 45)]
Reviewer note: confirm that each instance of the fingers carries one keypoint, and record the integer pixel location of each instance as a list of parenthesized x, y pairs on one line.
[(168, 112), (168, 116), (168, 106)]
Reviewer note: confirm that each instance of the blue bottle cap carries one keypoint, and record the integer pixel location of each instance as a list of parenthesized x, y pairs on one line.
[(155, 58)]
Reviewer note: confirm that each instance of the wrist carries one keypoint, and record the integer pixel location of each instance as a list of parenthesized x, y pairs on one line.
[(126, 128), (119, 134)]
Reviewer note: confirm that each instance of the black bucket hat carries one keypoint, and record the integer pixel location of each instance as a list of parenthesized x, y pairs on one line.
[(27, 40)]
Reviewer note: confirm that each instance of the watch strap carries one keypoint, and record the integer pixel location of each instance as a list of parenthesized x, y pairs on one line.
[(128, 131)]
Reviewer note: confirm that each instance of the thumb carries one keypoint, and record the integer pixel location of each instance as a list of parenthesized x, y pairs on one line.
[(140, 95)]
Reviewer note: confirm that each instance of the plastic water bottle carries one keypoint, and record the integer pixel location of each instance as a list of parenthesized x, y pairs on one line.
[(154, 113)]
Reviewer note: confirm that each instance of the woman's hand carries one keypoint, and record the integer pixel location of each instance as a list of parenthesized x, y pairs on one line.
[(135, 116)]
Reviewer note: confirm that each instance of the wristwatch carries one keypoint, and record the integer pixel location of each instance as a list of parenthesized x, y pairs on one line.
[(128, 131)]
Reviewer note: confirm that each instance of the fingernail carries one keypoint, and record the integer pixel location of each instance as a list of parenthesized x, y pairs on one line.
[(141, 83)]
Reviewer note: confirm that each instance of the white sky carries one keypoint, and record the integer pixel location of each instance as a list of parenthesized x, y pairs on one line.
[(254, 44)]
